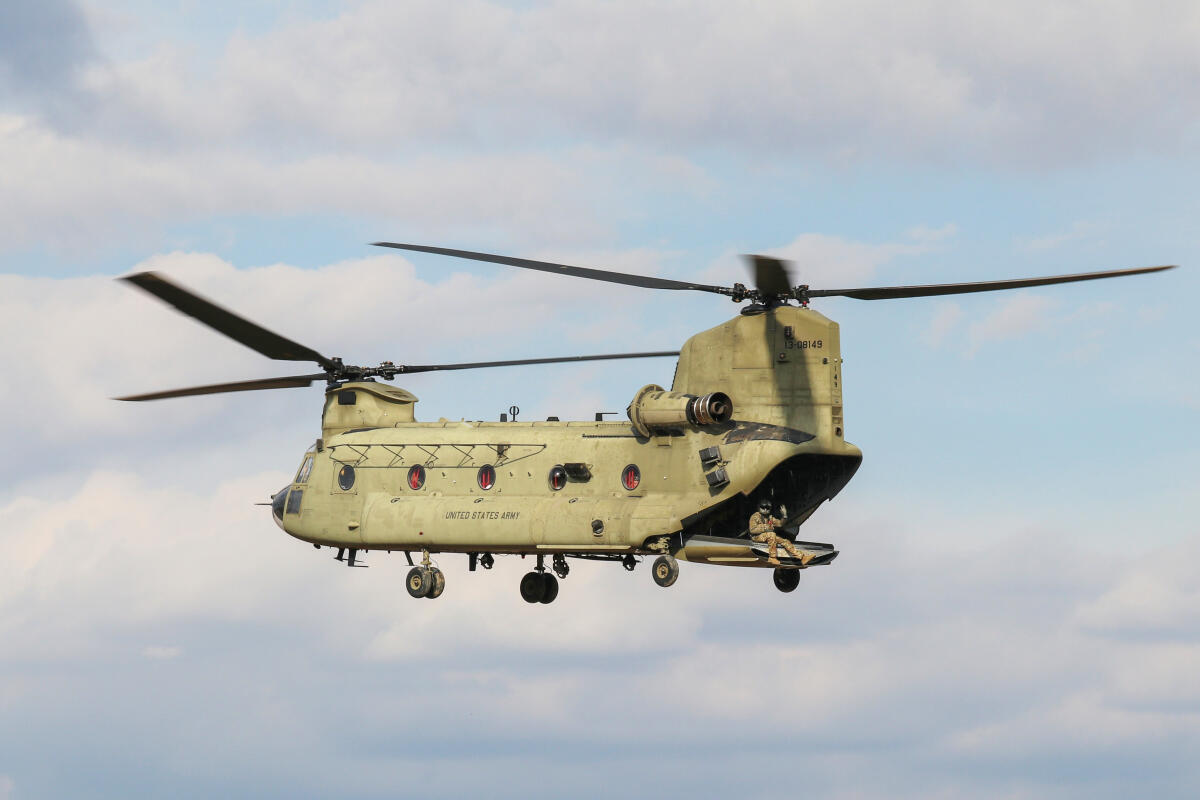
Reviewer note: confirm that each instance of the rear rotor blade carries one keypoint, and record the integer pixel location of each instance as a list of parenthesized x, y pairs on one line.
[(641, 281), (292, 382), (892, 292), (771, 276), (526, 361), (241, 330)]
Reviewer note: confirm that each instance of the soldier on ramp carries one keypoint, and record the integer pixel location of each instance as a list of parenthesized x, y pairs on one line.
[(762, 529)]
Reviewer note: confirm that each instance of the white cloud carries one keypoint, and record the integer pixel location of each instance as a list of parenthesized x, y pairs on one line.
[(945, 320), (1014, 317), (827, 78), (1150, 601), (120, 341), (101, 186), (159, 652), (957, 646), (1078, 231)]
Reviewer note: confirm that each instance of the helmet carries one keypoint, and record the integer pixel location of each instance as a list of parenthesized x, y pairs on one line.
[(764, 505)]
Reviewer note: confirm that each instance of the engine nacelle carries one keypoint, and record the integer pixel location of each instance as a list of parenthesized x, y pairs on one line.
[(654, 408)]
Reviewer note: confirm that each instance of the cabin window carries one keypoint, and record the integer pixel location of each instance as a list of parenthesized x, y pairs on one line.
[(631, 476), (487, 476), (416, 477), (558, 478), (346, 477), (305, 469), (293, 501)]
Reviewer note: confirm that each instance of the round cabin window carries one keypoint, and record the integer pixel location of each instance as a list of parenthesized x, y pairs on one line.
[(558, 478), (487, 476), (631, 476), (346, 477), (416, 477)]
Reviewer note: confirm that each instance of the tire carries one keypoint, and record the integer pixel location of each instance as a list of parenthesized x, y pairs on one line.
[(665, 571), (437, 584), (418, 582), (786, 580), (532, 587), (549, 588)]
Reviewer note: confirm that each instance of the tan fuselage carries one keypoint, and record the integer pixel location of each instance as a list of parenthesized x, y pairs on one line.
[(781, 369)]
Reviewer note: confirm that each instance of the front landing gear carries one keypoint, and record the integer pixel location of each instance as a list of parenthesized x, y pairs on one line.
[(786, 580), (666, 570), (425, 580), (539, 587)]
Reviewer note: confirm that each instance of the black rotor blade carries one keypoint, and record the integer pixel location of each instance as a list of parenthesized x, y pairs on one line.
[(241, 330), (891, 292), (642, 281), (771, 275), (524, 361), (292, 382)]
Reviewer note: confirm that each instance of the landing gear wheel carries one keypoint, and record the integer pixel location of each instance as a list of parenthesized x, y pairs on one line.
[(549, 588), (666, 570), (437, 583), (786, 580), (419, 582), (533, 587)]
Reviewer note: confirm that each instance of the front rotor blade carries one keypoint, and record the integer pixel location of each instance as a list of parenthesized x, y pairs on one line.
[(771, 275), (241, 330), (292, 382), (891, 292), (524, 361), (642, 281)]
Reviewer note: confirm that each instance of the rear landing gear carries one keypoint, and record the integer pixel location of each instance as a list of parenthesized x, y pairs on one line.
[(666, 570), (786, 580)]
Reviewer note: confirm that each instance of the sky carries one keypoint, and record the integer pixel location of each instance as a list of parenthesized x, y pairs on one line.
[(1015, 611)]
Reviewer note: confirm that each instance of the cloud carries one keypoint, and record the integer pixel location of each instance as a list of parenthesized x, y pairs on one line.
[(114, 189), (827, 262), (931, 653), (945, 320), (1077, 231), (160, 652), (981, 84), (1150, 603), (1014, 317), (43, 46), (121, 341)]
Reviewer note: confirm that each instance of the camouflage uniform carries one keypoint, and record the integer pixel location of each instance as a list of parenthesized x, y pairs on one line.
[(762, 529)]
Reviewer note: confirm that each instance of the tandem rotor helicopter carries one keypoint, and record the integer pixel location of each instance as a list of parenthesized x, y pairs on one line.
[(751, 426)]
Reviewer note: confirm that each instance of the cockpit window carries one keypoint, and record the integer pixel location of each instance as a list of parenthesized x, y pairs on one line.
[(293, 501), (305, 469)]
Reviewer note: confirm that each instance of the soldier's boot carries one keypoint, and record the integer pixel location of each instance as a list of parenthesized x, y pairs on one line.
[(794, 553)]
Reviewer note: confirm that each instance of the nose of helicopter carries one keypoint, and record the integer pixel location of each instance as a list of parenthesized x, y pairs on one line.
[(277, 502)]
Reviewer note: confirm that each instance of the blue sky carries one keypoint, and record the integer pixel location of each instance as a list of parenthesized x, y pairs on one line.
[(1014, 612)]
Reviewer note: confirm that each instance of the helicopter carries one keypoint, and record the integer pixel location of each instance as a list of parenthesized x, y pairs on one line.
[(753, 420)]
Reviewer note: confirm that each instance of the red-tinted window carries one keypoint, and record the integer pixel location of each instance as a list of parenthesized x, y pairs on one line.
[(416, 477), (487, 477), (631, 477), (558, 478)]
